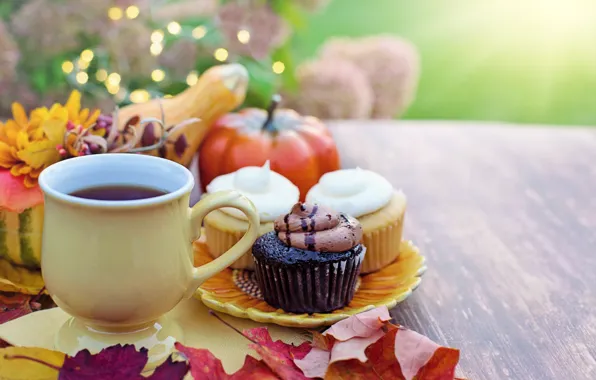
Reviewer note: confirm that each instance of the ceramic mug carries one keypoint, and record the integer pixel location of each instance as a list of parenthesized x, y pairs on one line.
[(118, 266)]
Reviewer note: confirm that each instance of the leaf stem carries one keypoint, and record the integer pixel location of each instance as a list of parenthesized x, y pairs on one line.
[(12, 357), (232, 327), (38, 296)]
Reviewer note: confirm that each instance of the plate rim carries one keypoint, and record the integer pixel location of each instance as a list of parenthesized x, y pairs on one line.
[(321, 319)]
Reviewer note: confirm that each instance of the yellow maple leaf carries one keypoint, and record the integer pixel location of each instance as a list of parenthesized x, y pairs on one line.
[(13, 366)]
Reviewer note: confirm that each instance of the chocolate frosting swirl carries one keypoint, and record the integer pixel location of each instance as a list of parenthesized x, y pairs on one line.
[(318, 228)]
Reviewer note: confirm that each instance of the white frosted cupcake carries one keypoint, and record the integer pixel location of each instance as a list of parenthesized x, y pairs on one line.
[(271, 193), (371, 199)]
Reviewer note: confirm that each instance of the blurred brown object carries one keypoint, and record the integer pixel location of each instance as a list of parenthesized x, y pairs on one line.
[(388, 64), (9, 54), (331, 89), (391, 65), (265, 29)]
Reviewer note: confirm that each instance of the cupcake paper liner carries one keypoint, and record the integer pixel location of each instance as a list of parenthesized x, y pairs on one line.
[(382, 245), (309, 289), (220, 241)]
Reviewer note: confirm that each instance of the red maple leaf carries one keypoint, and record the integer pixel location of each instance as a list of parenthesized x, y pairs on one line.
[(254, 369), (205, 366), (421, 358), (279, 356), (169, 370), (324, 342), (381, 356), (17, 305), (441, 365), (118, 363), (113, 363), (369, 347), (4, 344)]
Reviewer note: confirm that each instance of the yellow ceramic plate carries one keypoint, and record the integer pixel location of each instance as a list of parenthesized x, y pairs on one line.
[(386, 287), (201, 330)]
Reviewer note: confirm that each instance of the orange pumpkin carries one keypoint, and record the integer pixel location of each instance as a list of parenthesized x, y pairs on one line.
[(298, 147)]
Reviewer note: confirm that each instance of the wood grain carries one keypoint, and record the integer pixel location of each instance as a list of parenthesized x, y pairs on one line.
[(506, 216)]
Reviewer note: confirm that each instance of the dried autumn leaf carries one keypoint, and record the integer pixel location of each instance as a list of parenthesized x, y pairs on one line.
[(28, 363), (254, 369), (205, 366), (278, 356), (315, 363), (115, 362), (441, 365), (414, 352), (17, 305), (354, 348), (169, 370), (381, 363), (382, 358), (324, 342), (351, 370), (360, 325), (4, 344)]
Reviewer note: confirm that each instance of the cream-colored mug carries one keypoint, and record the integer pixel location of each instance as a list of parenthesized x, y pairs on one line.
[(118, 266)]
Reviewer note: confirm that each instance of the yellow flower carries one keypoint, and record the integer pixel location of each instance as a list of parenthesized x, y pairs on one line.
[(29, 145)]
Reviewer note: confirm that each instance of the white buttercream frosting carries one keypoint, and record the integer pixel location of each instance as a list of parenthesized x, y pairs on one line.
[(270, 192), (355, 192)]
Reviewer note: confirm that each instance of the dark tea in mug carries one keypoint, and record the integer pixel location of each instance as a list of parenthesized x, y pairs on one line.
[(118, 193)]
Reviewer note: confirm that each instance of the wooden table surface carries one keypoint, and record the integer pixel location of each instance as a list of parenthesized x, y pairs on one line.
[(506, 216)]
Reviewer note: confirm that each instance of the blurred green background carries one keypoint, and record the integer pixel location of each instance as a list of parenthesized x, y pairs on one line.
[(523, 61), (528, 61)]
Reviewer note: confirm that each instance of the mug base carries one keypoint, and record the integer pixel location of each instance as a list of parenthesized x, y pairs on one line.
[(158, 338)]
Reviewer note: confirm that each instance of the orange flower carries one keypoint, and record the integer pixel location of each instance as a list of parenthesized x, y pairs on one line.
[(30, 144)]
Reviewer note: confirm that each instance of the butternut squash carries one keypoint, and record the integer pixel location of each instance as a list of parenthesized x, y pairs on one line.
[(218, 91)]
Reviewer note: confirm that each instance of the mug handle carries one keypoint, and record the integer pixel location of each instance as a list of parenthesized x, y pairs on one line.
[(198, 212)]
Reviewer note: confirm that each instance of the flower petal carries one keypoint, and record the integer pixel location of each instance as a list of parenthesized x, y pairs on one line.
[(39, 154), (15, 196), (83, 116), (19, 115), (30, 182), (55, 128), (22, 140), (35, 172), (91, 119), (10, 132), (38, 115), (19, 170), (7, 155), (73, 105)]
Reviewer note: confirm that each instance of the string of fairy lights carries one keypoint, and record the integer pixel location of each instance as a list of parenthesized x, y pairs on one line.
[(76, 70)]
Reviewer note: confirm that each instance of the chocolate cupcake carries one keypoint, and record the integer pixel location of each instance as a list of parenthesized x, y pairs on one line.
[(311, 261)]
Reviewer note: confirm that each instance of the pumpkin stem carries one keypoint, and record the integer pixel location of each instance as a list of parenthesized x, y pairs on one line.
[(268, 124)]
